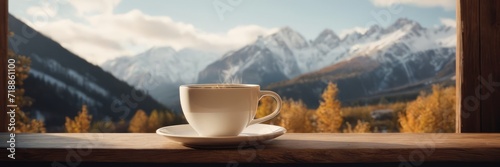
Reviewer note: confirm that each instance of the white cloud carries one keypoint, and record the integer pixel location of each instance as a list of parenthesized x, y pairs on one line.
[(85, 7), (39, 11), (107, 36), (345, 32), (448, 22), (445, 4)]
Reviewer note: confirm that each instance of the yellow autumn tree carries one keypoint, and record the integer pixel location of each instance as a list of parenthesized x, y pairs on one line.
[(81, 122), (103, 127), (328, 114), (168, 118), (139, 123), (154, 121), (162, 118), (295, 117), (266, 106), (432, 113), (23, 122), (361, 127)]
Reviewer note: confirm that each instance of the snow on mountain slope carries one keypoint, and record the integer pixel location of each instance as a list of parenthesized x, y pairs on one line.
[(268, 59), (61, 85), (160, 71), (293, 55), (281, 56), (160, 65), (403, 56), (79, 79), (404, 33)]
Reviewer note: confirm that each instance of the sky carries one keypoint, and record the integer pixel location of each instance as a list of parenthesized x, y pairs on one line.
[(100, 30)]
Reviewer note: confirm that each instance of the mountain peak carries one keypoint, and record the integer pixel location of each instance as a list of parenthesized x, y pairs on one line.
[(327, 32), (158, 51), (289, 37), (352, 37), (286, 29), (328, 37), (288, 32), (402, 22), (373, 29)]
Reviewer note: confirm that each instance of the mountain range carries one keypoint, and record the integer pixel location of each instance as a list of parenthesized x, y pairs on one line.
[(392, 62), (60, 82), (160, 71)]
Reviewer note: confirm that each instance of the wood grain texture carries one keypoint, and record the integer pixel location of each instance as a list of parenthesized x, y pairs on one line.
[(490, 66), (3, 65), (470, 58), (497, 13), (289, 148), (458, 70)]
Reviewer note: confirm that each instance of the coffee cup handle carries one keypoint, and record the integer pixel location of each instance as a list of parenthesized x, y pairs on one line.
[(275, 112)]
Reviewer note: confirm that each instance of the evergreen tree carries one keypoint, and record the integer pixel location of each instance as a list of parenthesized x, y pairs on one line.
[(81, 122), (328, 114)]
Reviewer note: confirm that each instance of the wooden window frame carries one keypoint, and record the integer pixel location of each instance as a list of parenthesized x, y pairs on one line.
[(478, 25), (3, 60), (478, 57)]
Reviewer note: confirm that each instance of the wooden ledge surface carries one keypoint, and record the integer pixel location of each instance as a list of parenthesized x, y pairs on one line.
[(289, 148)]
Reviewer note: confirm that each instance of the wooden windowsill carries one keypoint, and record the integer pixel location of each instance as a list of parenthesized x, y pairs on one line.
[(289, 148)]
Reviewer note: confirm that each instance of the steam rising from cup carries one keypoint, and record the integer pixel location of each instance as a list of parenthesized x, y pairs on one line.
[(229, 76)]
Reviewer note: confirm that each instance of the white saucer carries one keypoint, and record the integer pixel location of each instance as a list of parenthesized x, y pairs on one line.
[(251, 136)]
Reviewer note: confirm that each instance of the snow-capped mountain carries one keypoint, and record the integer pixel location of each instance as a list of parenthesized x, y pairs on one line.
[(389, 54), (164, 64), (160, 70), (402, 57), (326, 41), (403, 32), (286, 54), (60, 82), (268, 59)]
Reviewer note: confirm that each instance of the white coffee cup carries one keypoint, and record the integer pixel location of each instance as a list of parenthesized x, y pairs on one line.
[(223, 109)]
